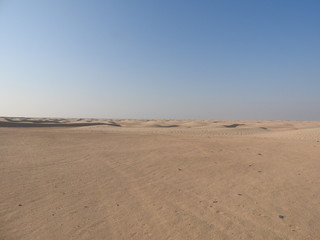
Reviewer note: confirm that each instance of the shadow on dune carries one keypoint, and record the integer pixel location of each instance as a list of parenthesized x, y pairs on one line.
[(28, 120), (166, 126), (233, 125)]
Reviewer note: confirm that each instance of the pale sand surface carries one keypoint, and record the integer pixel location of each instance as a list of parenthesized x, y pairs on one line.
[(158, 179)]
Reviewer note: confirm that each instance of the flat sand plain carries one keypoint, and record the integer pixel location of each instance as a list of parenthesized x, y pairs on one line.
[(159, 179)]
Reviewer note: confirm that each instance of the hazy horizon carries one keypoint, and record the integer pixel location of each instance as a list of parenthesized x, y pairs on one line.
[(236, 60)]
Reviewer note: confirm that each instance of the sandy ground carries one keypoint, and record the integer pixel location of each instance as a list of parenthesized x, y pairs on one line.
[(139, 179)]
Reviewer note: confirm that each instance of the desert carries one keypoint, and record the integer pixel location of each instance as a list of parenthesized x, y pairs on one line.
[(158, 179)]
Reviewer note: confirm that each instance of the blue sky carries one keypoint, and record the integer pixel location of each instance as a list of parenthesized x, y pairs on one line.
[(160, 59)]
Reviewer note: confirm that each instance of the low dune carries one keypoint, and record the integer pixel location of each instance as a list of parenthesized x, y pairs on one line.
[(158, 179)]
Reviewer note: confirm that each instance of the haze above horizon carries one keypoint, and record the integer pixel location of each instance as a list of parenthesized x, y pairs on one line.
[(241, 60)]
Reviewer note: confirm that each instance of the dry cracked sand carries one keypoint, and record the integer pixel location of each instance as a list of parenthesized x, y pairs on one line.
[(159, 179)]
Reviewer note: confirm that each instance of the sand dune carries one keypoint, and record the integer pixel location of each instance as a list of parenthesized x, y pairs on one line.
[(312, 134), (159, 179)]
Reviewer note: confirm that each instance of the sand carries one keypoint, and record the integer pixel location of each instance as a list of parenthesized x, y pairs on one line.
[(159, 179)]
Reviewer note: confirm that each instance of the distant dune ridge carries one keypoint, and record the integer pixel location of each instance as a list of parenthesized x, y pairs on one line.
[(158, 179), (282, 129)]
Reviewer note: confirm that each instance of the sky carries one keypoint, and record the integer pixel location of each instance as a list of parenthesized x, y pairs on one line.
[(160, 59)]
